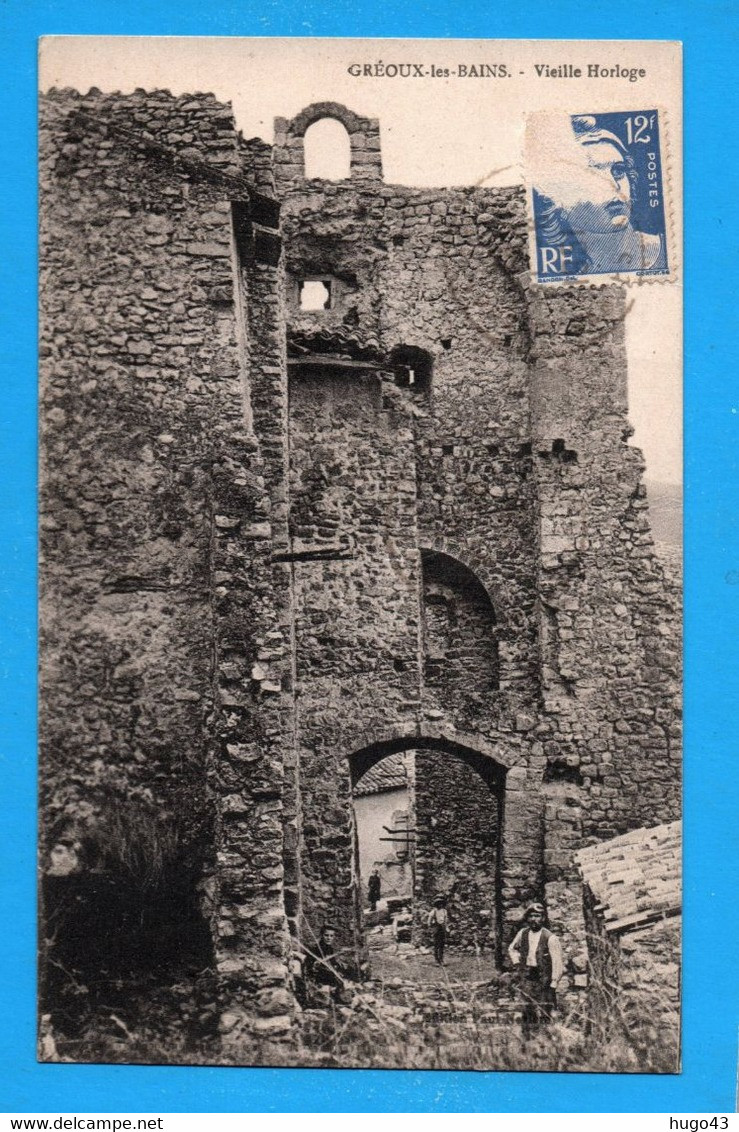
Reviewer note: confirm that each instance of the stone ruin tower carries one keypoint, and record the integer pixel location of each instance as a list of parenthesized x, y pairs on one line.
[(282, 543)]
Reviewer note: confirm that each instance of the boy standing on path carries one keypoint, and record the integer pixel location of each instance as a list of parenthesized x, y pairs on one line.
[(438, 919)]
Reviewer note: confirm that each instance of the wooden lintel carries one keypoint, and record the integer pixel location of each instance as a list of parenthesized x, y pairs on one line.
[(333, 361)]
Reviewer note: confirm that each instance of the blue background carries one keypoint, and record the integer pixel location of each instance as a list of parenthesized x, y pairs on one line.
[(711, 986)]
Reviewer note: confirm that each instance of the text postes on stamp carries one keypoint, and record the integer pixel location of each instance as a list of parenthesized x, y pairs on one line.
[(596, 195)]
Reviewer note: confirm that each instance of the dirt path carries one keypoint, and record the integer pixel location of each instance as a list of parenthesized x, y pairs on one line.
[(390, 960)]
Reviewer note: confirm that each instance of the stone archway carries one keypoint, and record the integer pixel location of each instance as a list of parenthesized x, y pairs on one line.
[(472, 748), (455, 801), (364, 141)]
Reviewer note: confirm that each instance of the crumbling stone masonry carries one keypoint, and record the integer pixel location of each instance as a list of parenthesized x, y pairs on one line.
[(633, 915), (282, 543)]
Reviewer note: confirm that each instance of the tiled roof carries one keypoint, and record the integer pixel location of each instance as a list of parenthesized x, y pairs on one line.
[(635, 878), (389, 774), (306, 339)]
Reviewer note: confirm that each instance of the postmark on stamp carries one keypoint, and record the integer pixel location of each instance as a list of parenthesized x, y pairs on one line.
[(596, 190)]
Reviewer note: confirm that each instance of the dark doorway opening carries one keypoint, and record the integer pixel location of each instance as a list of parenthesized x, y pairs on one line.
[(428, 826)]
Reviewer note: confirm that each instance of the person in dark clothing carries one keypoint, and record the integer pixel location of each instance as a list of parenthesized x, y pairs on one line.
[(374, 888), (537, 955), (438, 919), (327, 966)]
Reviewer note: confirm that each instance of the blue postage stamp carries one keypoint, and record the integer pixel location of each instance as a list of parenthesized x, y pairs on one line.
[(597, 195)]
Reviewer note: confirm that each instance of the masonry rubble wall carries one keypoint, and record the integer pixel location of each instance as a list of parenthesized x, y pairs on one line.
[(632, 907), (131, 275), (457, 855), (635, 985), (395, 251), (152, 388), (234, 615), (650, 978), (523, 474)]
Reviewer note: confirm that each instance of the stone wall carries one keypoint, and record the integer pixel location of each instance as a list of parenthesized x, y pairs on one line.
[(136, 343), (419, 275), (650, 978), (635, 988), (432, 536), (152, 388), (458, 847), (632, 903), (376, 813), (356, 610)]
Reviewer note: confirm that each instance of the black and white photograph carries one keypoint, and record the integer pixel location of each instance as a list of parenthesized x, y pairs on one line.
[(361, 574)]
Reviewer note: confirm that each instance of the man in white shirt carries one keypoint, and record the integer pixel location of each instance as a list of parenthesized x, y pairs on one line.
[(537, 955)]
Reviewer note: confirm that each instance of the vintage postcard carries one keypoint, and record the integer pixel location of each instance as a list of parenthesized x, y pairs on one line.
[(361, 577)]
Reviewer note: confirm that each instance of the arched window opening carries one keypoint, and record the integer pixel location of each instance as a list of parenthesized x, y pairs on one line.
[(412, 367), (327, 151), (459, 633)]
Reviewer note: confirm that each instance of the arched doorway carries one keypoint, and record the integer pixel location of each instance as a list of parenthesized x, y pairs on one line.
[(428, 823), (384, 809)]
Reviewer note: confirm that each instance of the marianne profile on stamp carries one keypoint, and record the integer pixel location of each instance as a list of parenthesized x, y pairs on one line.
[(597, 196)]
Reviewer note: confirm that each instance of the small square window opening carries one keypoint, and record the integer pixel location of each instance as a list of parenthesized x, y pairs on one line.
[(315, 295)]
